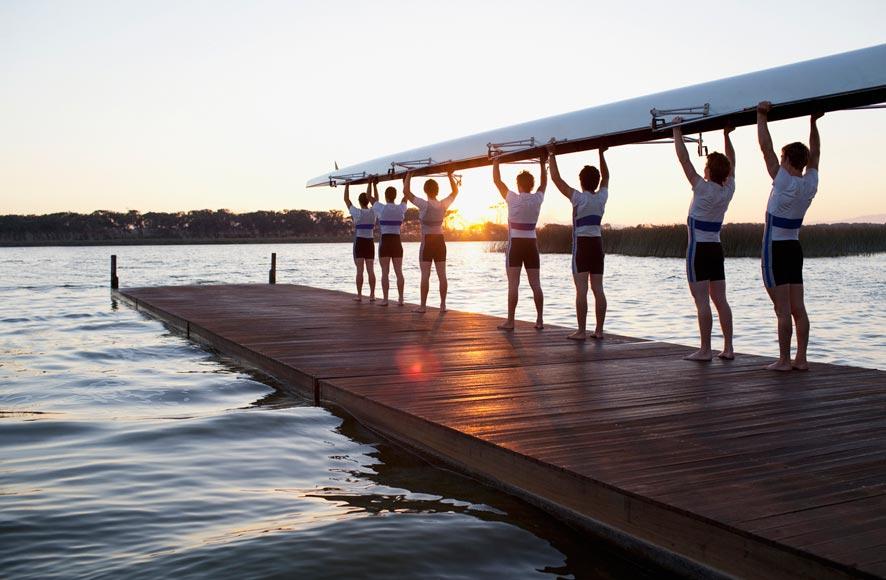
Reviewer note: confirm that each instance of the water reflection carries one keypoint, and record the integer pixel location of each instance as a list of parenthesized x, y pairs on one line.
[(439, 490)]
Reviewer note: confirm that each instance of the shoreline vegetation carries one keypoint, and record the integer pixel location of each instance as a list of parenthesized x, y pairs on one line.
[(742, 240), (105, 228)]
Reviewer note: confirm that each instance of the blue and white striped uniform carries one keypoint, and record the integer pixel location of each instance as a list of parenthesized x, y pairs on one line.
[(432, 213), (587, 211), (587, 216), (710, 201), (364, 224), (789, 199), (390, 216), (523, 210)]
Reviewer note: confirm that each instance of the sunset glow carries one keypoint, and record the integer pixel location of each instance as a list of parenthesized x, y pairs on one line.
[(116, 106)]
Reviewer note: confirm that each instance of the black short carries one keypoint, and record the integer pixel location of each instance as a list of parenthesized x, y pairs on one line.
[(390, 246), (705, 261), (787, 262), (364, 248), (433, 248), (523, 251), (587, 255)]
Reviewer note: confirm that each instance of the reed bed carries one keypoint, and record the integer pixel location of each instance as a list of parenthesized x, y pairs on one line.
[(739, 240)]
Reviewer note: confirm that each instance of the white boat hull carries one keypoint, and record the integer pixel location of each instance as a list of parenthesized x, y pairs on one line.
[(841, 81)]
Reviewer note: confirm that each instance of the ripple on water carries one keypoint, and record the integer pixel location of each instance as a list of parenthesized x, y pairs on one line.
[(423, 545)]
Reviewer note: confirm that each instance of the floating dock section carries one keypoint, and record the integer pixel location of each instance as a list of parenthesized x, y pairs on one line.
[(712, 468)]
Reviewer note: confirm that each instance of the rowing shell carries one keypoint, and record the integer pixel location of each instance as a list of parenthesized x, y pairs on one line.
[(841, 81)]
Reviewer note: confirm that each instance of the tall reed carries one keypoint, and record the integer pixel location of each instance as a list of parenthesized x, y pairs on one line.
[(739, 240)]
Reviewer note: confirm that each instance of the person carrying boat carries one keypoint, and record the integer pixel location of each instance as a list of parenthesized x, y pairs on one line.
[(782, 260), (364, 244), (588, 206), (390, 249), (523, 209), (432, 212), (705, 262)]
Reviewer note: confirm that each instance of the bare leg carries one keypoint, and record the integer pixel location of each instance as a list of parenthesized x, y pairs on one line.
[(781, 299), (701, 294), (801, 321), (581, 305), (444, 283), (724, 313), (359, 280), (425, 285), (370, 269), (398, 270), (513, 287), (537, 295), (385, 280), (599, 303)]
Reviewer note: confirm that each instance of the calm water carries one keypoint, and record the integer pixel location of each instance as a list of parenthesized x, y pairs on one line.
[(128, 452)]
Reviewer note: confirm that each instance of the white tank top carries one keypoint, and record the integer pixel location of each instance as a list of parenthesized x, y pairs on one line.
[(587, 211), (523, 210), (790, 198), (364, 221), (432, 213), (390, 216), (708, 207)]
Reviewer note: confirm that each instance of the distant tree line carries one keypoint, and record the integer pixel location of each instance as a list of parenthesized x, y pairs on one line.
[(205, 225), (220, 226)]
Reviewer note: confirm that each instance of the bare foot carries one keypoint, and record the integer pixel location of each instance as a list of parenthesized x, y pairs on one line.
[(577, 335), (420, 310), (598, 334), (700, 355), (442, 307), (506, 326), (358, 299), (400, 302), (726, 354), (780, 366), (372, 298), (383, 303), (539, 324), (800, 365)]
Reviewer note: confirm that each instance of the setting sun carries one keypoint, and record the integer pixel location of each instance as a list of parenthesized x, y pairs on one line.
[(475, 208), (474, 211)]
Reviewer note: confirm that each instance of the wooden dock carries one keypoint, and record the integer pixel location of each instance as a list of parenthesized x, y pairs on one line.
[(742, 471)]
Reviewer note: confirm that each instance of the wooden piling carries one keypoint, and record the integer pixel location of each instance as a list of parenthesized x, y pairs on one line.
[(272, 273), (115, 282)]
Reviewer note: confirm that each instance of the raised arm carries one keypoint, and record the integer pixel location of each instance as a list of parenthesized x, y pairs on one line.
[(369, 197), (453, 186), (348, 195), (496, 179), (373, 197), (604, 169), (765, 138), (555, 173), (814, 142), (543, 181), (683, 154), (407, 192), (730, 150)]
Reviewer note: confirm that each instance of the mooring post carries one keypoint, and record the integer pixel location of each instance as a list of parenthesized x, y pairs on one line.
[(115, 283), (272, 274)]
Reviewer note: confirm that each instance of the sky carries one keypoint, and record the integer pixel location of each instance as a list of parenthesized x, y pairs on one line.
[(180, 105)]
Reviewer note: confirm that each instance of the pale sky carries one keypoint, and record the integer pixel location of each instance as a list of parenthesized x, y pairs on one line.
[(179, 105)]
